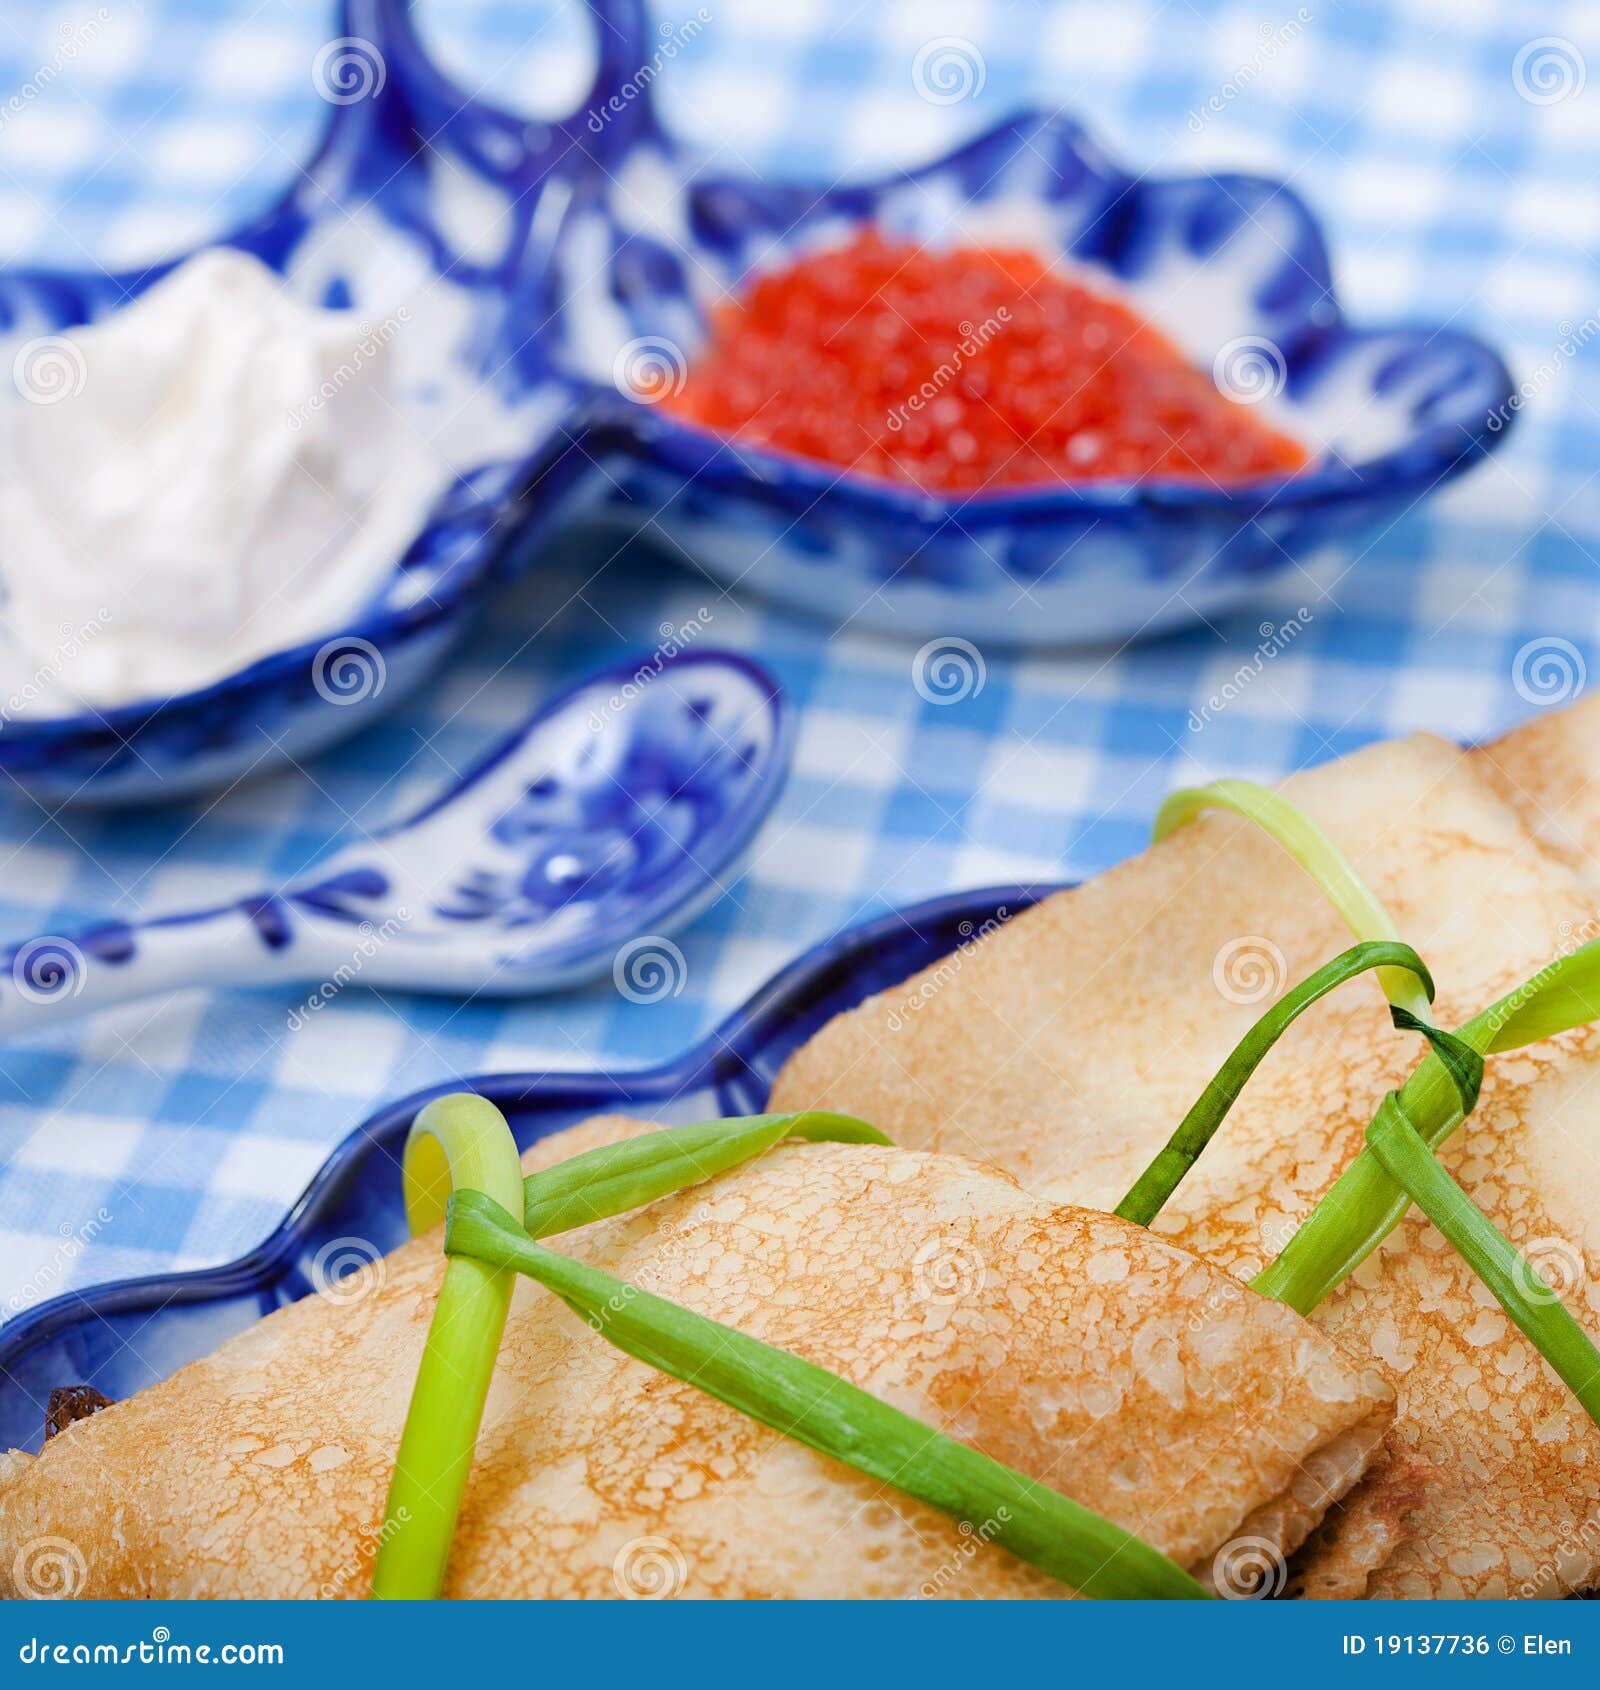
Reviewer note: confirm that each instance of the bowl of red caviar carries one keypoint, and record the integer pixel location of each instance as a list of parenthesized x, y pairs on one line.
[(1021, 393)]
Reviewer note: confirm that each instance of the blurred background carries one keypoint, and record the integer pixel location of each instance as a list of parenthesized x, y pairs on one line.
[(1450, 149)]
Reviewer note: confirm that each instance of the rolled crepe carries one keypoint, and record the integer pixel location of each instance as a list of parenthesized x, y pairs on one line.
[(1071, 1039), (1548, 770), (1092, 1356)]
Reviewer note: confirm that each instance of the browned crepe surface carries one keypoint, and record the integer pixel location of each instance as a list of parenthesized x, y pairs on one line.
[(1548, 770), (1089, 1354), (1067, 1044)]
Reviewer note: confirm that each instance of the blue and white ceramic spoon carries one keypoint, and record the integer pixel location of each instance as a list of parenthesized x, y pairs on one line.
[(612, 816)]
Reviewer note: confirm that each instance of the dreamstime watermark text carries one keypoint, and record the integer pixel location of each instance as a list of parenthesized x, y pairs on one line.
[(71, 39), (931, 984), (972, 342), (71, 643), (46, 1280), (1571, 339), (372, 342), (675, 37), (1270, 42), (370, 940), (676, 637), (1275, 638)]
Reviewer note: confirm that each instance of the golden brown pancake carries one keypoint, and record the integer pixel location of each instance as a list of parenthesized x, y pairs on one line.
[(1067, 1044), (1086, 1352), (1548, 770)]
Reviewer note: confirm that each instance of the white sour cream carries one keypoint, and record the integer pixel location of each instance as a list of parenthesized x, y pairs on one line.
[(221, 473)]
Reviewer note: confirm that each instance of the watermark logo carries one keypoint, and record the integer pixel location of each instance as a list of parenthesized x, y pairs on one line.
[(48, 969), (946, 1271), (1549, 1269), (948, 70), (969, 1540), (675, 638), (1249, 1569), (948, 670), (1224, 1297), (650, 369), (356, 1573), (931, 984), (372, 342), (649, 1569), (1548, 70), (1570, 341), (1548, 671), (49, 1569), (348, 670), (348, 70), (346, 1270), (1250, 369), (370, 940), (71, 39), (71, 644), (673, 1244), (972, 342), (73, 1241), (48, 369), (649, 969), (1271, 40), (1249, 970), (1275, 638), (1576, 1549)]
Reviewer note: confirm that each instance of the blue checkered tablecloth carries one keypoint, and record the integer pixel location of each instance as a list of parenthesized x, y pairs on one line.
[(1451, 147)]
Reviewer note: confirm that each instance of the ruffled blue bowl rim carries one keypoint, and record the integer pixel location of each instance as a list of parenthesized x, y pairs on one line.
[(785, 1009), (598, 420), (695, 451)]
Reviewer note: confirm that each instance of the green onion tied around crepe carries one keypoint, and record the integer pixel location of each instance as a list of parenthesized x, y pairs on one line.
[(1398, 1167), (485, 1244), (461, 1165)]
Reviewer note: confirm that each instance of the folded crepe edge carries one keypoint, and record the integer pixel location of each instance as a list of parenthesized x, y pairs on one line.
[(1287, 1522), (1327, 1473), (1351, 1545), (1320, 1473)]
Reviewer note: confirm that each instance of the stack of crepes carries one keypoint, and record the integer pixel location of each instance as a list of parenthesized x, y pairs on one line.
[(1059, 1341), (1064, 1046), (967, 1277)]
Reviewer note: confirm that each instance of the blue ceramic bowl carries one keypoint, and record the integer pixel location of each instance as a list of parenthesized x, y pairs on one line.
[(123, 1337), (610, 242), (1232, 267), (416, 196)]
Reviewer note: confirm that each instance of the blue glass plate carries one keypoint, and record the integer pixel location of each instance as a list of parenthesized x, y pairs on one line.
[(125, 1336)]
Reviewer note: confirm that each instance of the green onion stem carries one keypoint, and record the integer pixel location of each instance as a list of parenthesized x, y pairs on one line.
[(462, 1142), (1173, 1161), (827, 1413), (455, 1141), (1365, 1204), (1518, 1286), (615, 1178), (1315, 852)]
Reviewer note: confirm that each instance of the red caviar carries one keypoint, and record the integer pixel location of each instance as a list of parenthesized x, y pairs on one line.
[(963, 369)]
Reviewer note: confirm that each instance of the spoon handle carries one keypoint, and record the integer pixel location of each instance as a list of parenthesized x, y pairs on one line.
[(54, 976)]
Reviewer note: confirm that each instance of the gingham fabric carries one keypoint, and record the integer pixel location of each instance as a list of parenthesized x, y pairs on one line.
[(1450, 148)]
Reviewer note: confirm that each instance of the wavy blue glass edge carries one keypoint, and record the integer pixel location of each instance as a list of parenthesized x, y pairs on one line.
[(731, 1068)]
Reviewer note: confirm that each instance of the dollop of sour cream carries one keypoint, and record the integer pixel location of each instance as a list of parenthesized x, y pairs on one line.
[(222, 473)]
